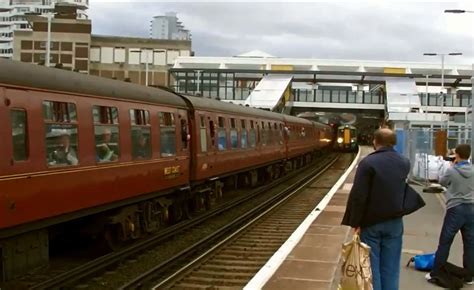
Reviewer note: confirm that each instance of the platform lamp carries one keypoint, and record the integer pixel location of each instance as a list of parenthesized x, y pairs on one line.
[(461, 11), (147, 59), (442, 96)]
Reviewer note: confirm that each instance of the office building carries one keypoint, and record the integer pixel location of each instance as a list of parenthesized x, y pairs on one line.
[(12, 17)]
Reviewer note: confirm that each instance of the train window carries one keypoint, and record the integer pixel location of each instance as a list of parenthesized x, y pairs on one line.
[(167, 134), (106, 132), (203, 134), (59, 112), (262, 134), (221, 134), (140, 134), (61, 133), (270, 134), (184, 134), (243, 135), (19, 134), (252, 135), (107, 147), (281, 133), (105, 115), (141, 142), (140, 117), (234, 142), (212, 133)]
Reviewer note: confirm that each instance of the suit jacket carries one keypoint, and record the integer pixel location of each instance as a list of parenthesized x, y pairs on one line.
[(378, 189)]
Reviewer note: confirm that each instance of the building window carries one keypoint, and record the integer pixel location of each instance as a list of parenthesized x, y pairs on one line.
[(19, 134), (95, 54), (141, 133), (119, 55), (66, 46), (26, 44), (81, 65), (61, 133), (167, 134), (26, 57), (106, 131)]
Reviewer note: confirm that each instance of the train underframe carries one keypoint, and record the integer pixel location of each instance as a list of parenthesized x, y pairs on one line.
[(126, 223)]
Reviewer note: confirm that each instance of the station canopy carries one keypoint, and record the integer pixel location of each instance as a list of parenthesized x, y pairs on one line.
[(272, 93)]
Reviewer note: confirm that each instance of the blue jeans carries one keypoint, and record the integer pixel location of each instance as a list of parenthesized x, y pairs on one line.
[(385, 240), (458, 218)]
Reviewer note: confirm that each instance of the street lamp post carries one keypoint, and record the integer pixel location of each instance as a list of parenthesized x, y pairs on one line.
[(442, 77), (461, 11), (49, 16), (147, 59), (146, 66)]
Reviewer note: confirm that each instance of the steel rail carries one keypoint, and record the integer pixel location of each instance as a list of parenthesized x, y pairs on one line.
[(102, 263), (255, 215)]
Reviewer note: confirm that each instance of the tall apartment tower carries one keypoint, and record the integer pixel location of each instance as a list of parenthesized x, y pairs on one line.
[(169, 27), (12, 17)]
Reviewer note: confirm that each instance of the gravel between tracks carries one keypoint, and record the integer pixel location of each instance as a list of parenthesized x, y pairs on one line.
[(237, 261), (132, 268)]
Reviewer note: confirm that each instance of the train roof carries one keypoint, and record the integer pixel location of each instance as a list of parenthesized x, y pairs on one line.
[(224, 107), (34, 76), (15, 73)]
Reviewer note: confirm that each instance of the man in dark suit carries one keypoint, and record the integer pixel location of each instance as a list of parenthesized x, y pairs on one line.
[(373, 208)]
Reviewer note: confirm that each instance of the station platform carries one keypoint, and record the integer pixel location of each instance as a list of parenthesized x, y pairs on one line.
[(311, 257)]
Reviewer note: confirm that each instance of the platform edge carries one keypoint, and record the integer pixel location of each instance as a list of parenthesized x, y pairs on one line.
[(269, 269)]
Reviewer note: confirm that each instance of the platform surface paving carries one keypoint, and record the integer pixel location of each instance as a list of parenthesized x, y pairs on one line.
[(315, 261)]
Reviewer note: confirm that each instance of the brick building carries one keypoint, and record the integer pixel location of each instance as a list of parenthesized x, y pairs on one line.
[(73, 47)]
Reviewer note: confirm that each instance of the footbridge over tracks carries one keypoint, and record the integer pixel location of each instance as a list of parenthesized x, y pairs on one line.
[(332, 85)]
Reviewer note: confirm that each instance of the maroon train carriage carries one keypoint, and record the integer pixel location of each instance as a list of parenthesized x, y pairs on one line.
[(124, 158)]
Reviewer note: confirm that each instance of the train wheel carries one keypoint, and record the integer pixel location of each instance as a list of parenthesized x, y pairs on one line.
[(253, 175), (114, 237), (276, 172), (176, 212)]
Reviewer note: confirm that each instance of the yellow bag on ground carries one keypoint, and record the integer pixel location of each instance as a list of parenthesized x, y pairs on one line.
[(356, 271)]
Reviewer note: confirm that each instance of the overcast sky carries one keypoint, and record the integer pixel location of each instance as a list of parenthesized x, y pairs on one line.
[(372, 30)]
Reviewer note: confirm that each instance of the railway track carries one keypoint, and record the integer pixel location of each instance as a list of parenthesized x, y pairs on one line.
[(70, 278), (242, 247)]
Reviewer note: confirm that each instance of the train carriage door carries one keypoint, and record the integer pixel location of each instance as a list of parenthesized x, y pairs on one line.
[(211, 122), (19, 126)]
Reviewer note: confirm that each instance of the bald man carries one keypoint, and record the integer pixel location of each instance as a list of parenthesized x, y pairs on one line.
[(373, 208)]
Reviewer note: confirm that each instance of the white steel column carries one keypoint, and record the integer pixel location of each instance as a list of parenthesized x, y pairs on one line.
[(49, 16)]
